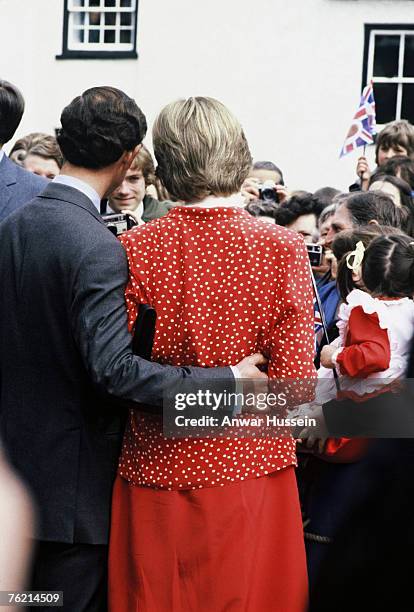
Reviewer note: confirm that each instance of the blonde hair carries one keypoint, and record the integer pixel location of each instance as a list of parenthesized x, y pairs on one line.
[(201, 149)]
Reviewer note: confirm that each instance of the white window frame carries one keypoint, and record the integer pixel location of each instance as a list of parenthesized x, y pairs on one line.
[(399, 80), (73, 47)]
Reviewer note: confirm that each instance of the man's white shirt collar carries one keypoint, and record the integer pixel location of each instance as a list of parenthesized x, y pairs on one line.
[(85, 188)]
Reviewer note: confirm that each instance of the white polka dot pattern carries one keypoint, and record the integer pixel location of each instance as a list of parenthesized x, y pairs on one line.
[(224, 285)]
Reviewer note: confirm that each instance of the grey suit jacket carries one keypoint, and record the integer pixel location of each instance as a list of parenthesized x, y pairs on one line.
[(17, 186), (65, 355)]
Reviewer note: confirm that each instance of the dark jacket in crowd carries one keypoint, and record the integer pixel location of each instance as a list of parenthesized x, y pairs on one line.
[(17, 186), (65, 355), (365, 567), (153, 209)]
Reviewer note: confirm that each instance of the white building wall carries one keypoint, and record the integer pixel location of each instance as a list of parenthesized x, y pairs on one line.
[(289, 69)]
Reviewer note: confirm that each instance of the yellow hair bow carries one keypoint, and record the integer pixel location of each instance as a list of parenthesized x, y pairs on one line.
[(356, 256)]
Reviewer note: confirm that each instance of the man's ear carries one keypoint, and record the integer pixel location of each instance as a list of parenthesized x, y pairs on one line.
[(373, 222)]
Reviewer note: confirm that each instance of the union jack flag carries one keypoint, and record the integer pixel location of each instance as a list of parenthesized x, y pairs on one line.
[(363, 125)]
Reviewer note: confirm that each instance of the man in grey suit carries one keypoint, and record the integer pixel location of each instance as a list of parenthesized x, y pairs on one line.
[(65, 349), (17, 186)]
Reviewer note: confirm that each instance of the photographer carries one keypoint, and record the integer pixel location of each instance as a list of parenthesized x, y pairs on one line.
[(132, 194), (264, 174), (324, 272)]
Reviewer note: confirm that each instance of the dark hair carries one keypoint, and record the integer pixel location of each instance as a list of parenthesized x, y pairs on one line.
[(407, 203), (325, 195), (268, 165), (260, 208), (388, 266), (397, 133), (344, 243), (297, 206), (99, 126), (367, 206), (11, 110), (402, 186), (37, 143), (401, 166)]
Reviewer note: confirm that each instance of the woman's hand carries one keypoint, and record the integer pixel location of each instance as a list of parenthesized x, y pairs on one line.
[(250, 190), (282, 194), (332, 262)]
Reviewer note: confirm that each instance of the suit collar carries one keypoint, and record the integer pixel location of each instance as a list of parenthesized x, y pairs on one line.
[(64, 193), (85, 188)]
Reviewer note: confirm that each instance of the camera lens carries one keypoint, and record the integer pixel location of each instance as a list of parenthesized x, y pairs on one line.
[(268, 195)]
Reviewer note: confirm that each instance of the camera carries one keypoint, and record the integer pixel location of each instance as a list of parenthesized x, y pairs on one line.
[(118, 223), (315, 254), (267, 192)]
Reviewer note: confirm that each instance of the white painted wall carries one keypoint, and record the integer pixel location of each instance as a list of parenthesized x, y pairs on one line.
[(289, 69)]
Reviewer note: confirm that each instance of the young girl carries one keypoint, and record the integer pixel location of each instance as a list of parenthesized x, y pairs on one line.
[(375, 324), (376, 321)]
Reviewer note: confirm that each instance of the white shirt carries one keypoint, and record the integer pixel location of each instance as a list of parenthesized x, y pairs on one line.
[(211, 201), (85, 188), (1, 154)]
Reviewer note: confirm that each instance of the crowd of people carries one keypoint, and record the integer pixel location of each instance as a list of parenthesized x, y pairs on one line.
[(249, 280)]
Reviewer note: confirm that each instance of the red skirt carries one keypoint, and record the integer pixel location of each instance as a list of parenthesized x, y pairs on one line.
[(237, 548)]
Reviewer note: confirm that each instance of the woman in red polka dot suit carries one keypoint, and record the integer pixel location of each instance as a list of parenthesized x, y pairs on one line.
[(207, 525)]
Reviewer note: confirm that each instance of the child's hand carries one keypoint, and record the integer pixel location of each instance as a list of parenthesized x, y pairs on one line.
[(314, 437), (363, 172), (326, 356)]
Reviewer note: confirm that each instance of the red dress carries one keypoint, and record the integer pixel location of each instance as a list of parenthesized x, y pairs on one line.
[(213, 524)]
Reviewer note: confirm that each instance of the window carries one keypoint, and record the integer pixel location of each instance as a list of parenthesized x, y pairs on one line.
[(99, 29), (389, 62)]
